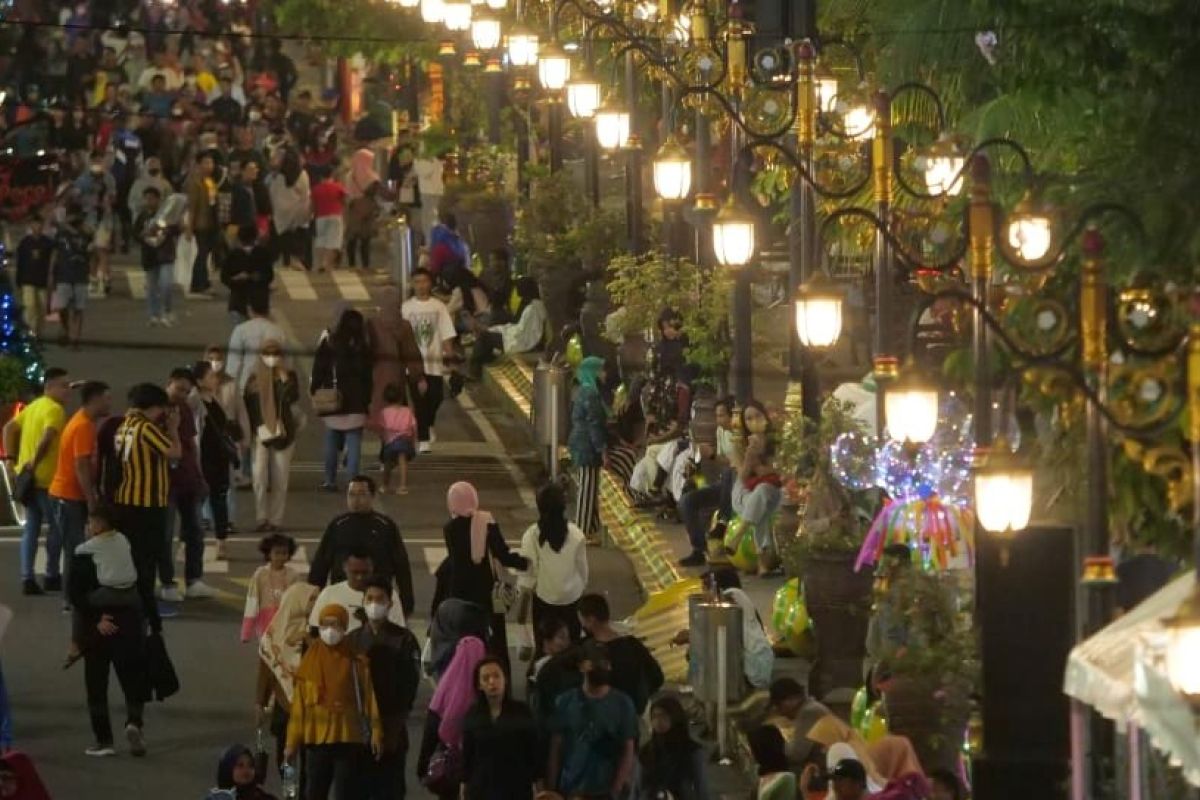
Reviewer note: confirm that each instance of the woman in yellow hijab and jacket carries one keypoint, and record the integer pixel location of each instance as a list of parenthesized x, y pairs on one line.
[(334, 716)]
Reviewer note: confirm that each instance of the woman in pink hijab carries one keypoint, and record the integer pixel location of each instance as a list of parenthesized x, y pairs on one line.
[(363, 189), (453, 698), (476, 553)]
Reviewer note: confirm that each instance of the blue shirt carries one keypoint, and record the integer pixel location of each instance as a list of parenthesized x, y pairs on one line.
[(595, 733)]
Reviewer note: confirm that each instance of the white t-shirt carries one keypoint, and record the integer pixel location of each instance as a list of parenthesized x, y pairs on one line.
[(432, 326), (557, 578), (113, 558), (351, 600)]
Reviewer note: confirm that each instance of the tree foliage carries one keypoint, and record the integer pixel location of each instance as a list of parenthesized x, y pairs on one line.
[(378, 31)]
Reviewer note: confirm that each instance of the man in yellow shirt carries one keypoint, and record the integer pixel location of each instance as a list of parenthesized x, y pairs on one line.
[(33, 435)]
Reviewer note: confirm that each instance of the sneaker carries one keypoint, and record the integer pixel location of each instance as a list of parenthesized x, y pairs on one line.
[(30, 587), (696, 559), (425, 447), (166, 611), (199, 590), (137, 742), (53, 583), (222, 550), (432, 436), (153, 322), (166, 322), (170, 594), (100, 751), (329, 487)]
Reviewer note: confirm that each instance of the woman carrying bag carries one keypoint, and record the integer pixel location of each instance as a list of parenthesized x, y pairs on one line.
[(341, 391), (439, 763), (271, 395), (558, 566)]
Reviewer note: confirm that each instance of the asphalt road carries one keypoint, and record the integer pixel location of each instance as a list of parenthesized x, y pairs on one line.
[(215, 708)]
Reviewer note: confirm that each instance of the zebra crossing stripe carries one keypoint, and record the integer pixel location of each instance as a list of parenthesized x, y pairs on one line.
[(433, 557), (350, 285), (296, 284), (137, 283)]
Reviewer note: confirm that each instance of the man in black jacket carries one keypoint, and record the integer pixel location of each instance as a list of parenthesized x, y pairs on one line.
[(362, 527), (395, 659)]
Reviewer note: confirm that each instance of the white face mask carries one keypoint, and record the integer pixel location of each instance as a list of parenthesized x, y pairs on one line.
[(271, 361), (376, 611), (217, 366), (331, 636)]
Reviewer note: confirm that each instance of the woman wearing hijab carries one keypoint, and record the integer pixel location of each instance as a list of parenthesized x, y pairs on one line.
[(342, 367), (270, 396), (451, 701), (395, 354), (587, 441), (291, 208), (236, 777), (898, 764), (362, 207), (558, 566), (775, 780), (758, 657), (672, 762), (279, 652), (476, 551), (334, 717), (840, 741), (19, 779)]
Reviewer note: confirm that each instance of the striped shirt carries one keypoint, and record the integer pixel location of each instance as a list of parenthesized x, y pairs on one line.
[(142, 449)]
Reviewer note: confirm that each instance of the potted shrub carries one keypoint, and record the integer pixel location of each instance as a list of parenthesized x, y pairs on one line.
[(928, 680), (824, 546)]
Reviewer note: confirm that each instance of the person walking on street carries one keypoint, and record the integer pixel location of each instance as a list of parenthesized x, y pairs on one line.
[(359, 569), (448, 709), (291, 208), (248, 339), (334, 716), (558, 566), (237, 778), (34, 253), (74, 488), (396, 357), (272, 391), (477, 551), (202, 220), (268, 584), (218, 449), (362, 208), (279, 653), (587, 442), (188, 491), (158, 246), (69, 272), (672, 762), (633, 667), (33, 436), (398, 439), (341, 391), (329, 209), (362, 528), (500, 751), (395, 659), (435, 333), (247, 272)]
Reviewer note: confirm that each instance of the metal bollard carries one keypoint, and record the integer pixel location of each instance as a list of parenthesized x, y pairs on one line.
[(402, 256)]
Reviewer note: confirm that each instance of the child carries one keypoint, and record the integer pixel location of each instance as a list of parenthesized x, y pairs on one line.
[(115, 571), (158, 243), (268, 584), (33, 273), (398, 430)]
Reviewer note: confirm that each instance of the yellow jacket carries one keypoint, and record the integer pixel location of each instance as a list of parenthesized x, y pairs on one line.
[(313, 724)]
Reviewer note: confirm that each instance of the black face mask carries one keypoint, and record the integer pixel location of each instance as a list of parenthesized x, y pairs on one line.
[(600, 676)]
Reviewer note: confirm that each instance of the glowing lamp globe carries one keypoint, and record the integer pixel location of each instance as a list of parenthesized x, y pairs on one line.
[(827, 92), (456, 15), (1183, 648), (409, 3), (818, 312), (554, 68), (1030, 231), (583, 96), (612, 126), (911, 408), (522, 48), (497, 5), (733, 236), (944, 169), (485, 33), (672, 171), (859, 122), (432, 11), (1003, 491)]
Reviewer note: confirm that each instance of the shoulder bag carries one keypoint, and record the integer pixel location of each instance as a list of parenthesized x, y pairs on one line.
[(328, 400), (504, 593), (444, 775)]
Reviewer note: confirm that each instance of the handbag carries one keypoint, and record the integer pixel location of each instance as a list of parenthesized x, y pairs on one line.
[(328, 399), (504, 594), (24, 487), (443, 776)]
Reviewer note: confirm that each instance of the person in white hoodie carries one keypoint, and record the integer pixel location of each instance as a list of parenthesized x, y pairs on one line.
[(150, 175), (558, 567), (291, 208)]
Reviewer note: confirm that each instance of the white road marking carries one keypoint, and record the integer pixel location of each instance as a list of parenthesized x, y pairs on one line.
[(524, 490), (296, 284), (137, 283), (433, 557), (350, 285)]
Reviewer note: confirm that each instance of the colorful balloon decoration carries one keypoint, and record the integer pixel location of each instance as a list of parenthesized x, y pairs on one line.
[(739, 542), (574, 352), (789, 615)]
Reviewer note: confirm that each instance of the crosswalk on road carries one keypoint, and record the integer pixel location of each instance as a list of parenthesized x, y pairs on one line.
[(342, 284)]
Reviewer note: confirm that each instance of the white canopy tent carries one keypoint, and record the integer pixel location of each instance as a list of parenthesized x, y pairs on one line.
[(1119, 672)]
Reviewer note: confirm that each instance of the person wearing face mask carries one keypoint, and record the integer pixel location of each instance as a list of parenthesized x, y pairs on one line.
[(595, 730), (359, 569), (248, 338), (334, 716), (151, 176), (395, 658), (271, 394)]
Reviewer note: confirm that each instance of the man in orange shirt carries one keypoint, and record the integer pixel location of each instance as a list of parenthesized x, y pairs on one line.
[(74, 487)]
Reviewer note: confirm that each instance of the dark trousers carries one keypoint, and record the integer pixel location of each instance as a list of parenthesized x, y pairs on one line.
[(146, 530), (218, 503), (385, 777), (123, 651), (425, 406), (192, 535), (543, 611), (487, 345), (206, 244), (356, 245), (337, 767), (695, 507)]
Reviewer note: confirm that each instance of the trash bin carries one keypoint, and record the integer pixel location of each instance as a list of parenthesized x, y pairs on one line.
[(707, 618), (550, 412)]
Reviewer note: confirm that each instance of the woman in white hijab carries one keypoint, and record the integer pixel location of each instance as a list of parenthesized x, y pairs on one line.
[(757, 654)]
